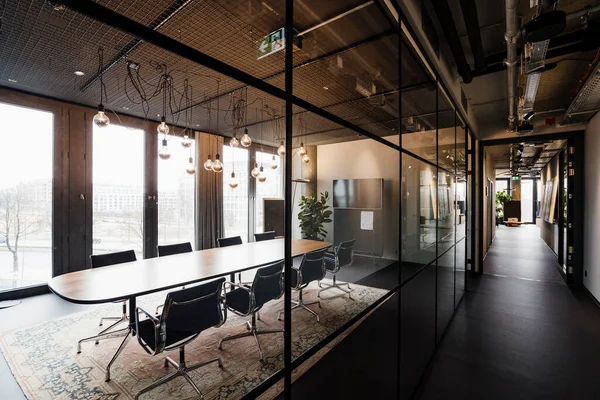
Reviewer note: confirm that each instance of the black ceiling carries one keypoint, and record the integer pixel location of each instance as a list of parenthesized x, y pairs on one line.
[(41, 48)]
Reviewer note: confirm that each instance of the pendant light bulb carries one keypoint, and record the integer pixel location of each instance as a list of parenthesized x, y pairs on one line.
[(273, 164), (261, 176), (233, 182), (190, 168), (101, 119), (302, 150), (163, 128), (281, 150), (208, 164), (217, 165), (164, 153), (234, 142), (246, 141), (186, 142), (305, 158), (255, 171)]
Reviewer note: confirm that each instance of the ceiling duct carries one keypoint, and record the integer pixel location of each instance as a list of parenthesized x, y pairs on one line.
[(442, 10), (469, 10), (511, 36), (587, 102)]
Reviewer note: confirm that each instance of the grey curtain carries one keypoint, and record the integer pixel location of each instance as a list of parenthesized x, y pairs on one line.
[(209, 190)]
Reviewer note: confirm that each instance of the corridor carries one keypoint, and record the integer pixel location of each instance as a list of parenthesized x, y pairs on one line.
[(520, 332)]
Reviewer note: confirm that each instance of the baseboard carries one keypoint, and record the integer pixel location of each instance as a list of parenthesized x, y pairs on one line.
[(20, 293)]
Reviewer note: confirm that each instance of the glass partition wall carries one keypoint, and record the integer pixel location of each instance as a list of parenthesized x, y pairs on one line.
[(337, 139)]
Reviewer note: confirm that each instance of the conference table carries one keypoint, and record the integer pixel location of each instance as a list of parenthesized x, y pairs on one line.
[(129, 280)]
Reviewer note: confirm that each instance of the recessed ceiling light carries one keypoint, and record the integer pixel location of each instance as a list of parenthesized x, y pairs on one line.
[(197, 124), (325, 87), (12, 80), (79, 73), (125, 108)]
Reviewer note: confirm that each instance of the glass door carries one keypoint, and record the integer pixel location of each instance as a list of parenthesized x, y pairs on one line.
[(26, 197)]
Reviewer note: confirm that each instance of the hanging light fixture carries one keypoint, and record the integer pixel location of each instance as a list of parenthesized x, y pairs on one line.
[(281, 150), (255, 171), (302, 150), (246, 140), (190, 168), (233, 182), (164, 153), (101, 119), (163, 128), (261, 175), (305, 158), (208, 164), (217, 165), (186, 142), (273, 164), (234, 142)]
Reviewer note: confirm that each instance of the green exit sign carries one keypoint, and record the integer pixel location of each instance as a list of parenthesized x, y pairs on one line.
[(272, 43), (516, 178)]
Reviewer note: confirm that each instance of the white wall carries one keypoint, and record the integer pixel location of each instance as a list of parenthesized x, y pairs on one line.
[(591, 235), (364, 159)]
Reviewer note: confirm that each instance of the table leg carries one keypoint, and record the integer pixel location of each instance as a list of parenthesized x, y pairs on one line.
[(232, 280), (132, 311)]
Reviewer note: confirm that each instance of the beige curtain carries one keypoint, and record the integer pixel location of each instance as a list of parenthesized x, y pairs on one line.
[(209, 186)]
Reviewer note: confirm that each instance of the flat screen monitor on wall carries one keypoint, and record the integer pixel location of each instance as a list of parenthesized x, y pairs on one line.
[(358, 193)]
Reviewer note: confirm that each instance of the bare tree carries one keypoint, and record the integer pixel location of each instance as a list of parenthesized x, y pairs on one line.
[(16, 220)]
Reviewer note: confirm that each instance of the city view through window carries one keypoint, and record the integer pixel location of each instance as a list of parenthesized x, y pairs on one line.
[(25, 197)]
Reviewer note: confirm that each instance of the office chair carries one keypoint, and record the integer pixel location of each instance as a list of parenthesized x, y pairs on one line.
[(103, 260), (259, 237), (312, 268), (172, 249), (342, 256), (231, 241), (244, 301), (186, 314)]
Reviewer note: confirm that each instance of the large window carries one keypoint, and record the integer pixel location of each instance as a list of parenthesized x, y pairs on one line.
[(25, 197), (175, 195), (235, 200), (270, 188), (118, 182)]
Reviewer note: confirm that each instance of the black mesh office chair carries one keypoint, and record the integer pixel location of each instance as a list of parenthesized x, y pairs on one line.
[(186, 314), (342, 256), (172, 249), (229, 241), (104, 260), (244, 301), (312, 268), (259, 237)]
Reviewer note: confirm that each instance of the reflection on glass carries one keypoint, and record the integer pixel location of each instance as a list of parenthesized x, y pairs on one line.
[(445, 290), (175, 196), (118, 198), (272, 187), (447, 211), (235, 200), (25, 197)]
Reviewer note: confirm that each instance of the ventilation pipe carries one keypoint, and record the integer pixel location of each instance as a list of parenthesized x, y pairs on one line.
[(469, 10), (444, 15), (511, 36)]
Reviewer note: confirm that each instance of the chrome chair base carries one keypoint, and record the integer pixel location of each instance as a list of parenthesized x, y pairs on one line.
[(182, 369), (126, 332), (252, 331), (302, 305), (335, 285)]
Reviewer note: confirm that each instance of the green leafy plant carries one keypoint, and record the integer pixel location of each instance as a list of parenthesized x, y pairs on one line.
[(313, 214), (501, 198)]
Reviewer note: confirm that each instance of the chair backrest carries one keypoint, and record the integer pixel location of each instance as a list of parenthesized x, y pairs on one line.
[(267, 284), (194, 309), (312, 267), (229, 241), (259, 237), (171, 249), (120, 257), (345, 253)]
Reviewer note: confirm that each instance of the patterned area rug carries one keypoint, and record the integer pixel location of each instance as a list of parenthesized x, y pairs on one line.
[(45, 363)]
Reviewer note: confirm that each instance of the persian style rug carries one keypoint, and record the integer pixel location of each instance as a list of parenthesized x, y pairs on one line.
[(45, 363)]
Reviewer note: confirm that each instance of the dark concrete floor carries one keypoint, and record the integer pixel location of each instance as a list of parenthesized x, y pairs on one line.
[(520, 333)]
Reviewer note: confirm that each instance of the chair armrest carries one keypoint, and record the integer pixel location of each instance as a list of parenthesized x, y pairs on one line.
[(236, 285), (155, 322)]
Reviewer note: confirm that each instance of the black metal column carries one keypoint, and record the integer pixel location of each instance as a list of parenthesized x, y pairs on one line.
[(289, 84)]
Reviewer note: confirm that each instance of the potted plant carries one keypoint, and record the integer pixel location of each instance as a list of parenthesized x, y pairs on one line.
[(501, 198), (313, 214)]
